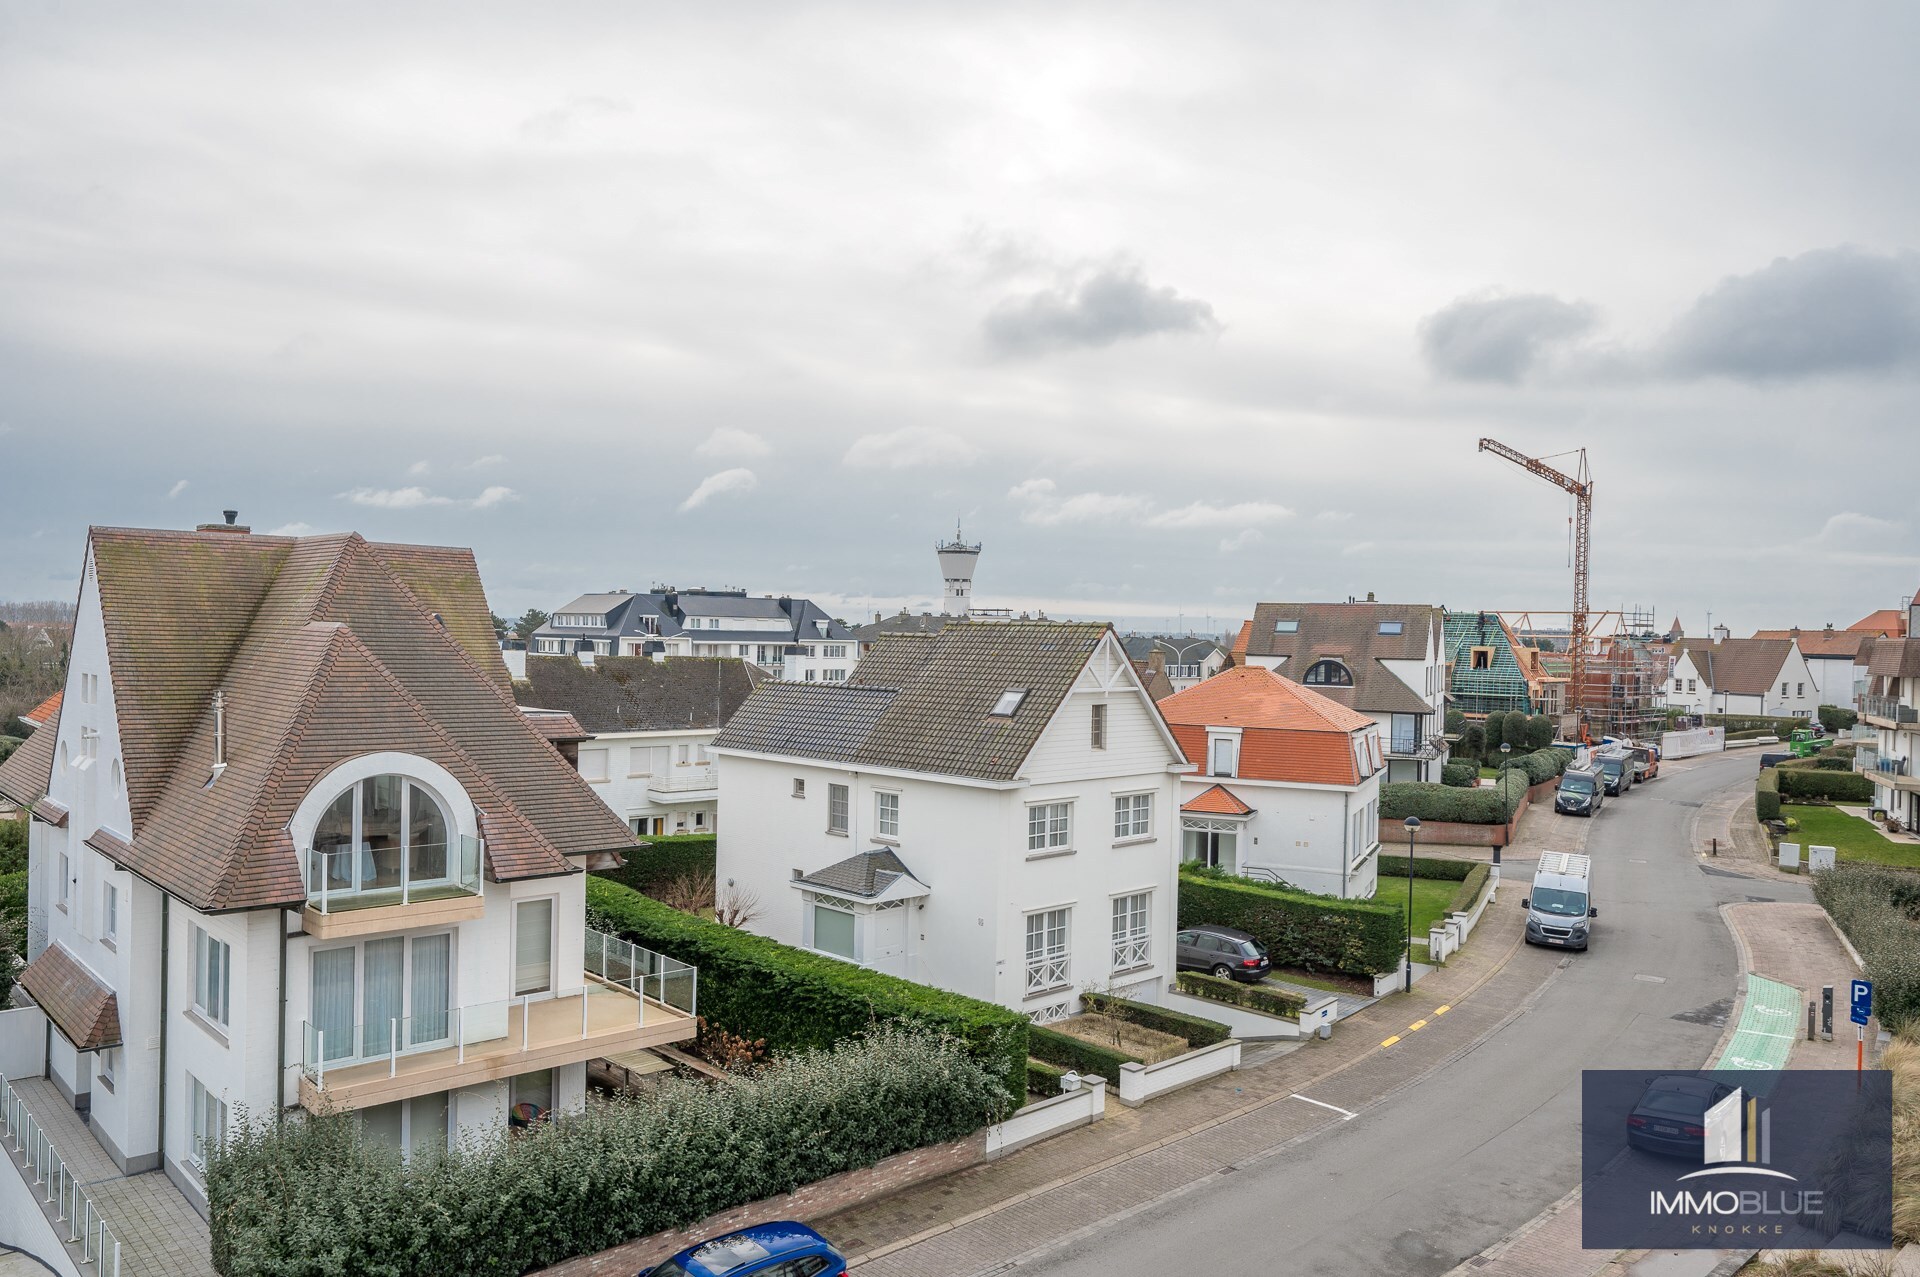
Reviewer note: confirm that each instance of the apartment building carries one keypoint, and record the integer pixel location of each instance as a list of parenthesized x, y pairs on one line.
[(786, 637)]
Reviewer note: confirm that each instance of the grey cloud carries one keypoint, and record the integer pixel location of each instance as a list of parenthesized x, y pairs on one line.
[(1114, 303), (1826, 311), (1500, 338)]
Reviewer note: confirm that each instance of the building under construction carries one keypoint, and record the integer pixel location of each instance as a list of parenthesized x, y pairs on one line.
[(1622, 687)]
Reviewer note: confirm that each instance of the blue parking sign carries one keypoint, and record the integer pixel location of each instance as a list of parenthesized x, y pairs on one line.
[(1862, 1000)]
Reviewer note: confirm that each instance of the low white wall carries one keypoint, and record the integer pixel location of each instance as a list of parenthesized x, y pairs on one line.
[(1141, 1082), (1084, 1105), (1704, 740), (23, 1042), (24, 1227), (1393, 981)]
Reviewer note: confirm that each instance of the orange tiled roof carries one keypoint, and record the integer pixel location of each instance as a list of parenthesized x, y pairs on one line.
[(1887, 623), (1245, 636), (1217, 801), (1288, 732), (43, 713)]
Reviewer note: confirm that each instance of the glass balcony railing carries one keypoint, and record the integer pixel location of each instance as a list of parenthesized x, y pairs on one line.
[(665, 980), (365, 877)]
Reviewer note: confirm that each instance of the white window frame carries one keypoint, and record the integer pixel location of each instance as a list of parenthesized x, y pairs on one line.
[(1097, 726), (109, 913), (1231, 744), (206, 1122), (839, 805), (553, 945), (799, 787), (817, 903), (109, 1062), (1133, 816), (212, 977), (1049, 950), (886, 813), (1132, 930), (1049, 827), (605, 768), (65, 894)]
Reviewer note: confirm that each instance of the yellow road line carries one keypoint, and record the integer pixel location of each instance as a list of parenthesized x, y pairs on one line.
[(1390, 1041), (1442, 1010), (1416, 1026)]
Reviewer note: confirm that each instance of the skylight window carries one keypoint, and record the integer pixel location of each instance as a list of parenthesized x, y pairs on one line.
[(1286, 627), (1392, 627), (1009, 702)]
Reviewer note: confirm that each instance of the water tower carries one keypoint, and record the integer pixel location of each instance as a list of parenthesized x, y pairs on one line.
[(957, 561)]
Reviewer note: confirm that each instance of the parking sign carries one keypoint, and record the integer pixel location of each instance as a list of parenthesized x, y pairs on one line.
[(1862, 1001)]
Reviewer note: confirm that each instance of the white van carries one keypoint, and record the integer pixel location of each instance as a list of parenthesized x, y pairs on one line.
[(1559, 907)]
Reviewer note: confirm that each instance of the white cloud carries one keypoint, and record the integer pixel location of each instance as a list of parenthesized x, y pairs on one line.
[(176, 489), (393, 498), (493, 496), (1358, 547), (1333, 516), (1045, 507), (1851, 525), (1202, 514), (908, 448), (739, 479), (1244, 539), (728, 443), (291, 530), (417, 469), (491, 459)]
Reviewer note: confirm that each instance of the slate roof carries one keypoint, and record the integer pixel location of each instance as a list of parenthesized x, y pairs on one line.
[(922, 703), (638, 693), (867, 874), (25, 774), (904, 622), (1738, 667), (1180, 649), (1216, 800), (325, 648), (81, 1007), (663, 614), (1349, 633)]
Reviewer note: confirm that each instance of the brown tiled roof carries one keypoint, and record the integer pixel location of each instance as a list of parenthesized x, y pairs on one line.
[(1158, 685), (556, 725), (52, 813), (1349, 633), (325, 648), (81, 1007), (1822, 643), (638, 693), (27, 772), (923, 703), (1894, 658), (1739, 667)]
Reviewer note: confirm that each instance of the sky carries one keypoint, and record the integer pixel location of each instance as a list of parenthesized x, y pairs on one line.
[(1174, 307)]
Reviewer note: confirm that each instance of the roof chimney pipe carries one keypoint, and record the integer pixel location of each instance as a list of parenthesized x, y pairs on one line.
[(231, 516)]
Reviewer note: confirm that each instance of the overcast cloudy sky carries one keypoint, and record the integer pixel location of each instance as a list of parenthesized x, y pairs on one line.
[(1178, 307)]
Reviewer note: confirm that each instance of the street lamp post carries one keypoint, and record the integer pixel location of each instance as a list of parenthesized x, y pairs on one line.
[(1412, 828)]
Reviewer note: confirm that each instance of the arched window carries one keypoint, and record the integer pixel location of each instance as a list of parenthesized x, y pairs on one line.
[(1328, 673), (383, 834)]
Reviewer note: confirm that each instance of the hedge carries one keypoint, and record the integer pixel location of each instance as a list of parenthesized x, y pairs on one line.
[(795, 1000), (1766, 794), (318, 1198), (1298, 928), (1426, 867), (1813, 783), (658, 861), (1782, 726), (1468, 893), (1479, 806), (1460, 775), (1044, 1079), (1542, 765), (1875, 906), (1254, 997), (1836, 719), (1197, 1030), (1081, 1056)]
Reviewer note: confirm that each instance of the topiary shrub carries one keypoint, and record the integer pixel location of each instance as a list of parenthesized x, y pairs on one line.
[(1429, 801), (1079, 1055), (1813, 783), (1836, 719), (1460, 775), (1540, 731), (1044, 1079), (1445, 868), (1766, 794)]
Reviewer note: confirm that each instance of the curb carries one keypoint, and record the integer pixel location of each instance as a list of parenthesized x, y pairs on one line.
[(1858, 962), (1739, 984)]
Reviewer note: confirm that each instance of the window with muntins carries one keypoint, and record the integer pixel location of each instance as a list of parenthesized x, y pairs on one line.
[(1099, 728), (1132, 815), (212, 974), (1328, 673), (109, 911), (1049, 826), (1047, 964), (383, 834), (836, 809), (1132, 941), (887, 814)]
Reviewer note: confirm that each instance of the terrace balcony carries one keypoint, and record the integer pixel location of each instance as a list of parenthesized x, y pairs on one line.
[(692, 782), (361, 890), (1887, 711), (630, 998)]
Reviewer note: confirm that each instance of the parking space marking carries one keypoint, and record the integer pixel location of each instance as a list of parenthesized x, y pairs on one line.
[(1346, 1115), (1390, 1041)]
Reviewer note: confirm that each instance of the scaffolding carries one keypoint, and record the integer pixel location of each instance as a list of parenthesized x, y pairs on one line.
[(1622, 690)]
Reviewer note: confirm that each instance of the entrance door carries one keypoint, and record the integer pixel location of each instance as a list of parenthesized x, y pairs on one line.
[(890, 941)]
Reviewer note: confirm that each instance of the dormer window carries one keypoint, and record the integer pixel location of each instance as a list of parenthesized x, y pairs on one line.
[(1328, 673), (384, 838), (1009, 702)]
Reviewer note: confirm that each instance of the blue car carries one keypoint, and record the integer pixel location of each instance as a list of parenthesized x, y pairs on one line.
[(785, 1249)]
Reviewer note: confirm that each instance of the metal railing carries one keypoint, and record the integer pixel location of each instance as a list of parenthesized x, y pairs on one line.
[(1889, 708), (667, 981), (1866, 760), (86, 1227), (365, 877)]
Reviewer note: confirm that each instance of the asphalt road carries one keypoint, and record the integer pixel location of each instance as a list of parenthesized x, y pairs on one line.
[(1446, 1167)]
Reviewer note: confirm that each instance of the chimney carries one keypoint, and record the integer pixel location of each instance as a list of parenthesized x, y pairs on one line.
[(1721, 634), (1370, 597), (1157, 662), (229, 526)]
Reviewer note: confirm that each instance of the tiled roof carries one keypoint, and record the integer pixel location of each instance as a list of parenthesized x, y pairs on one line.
[(43, 713), (1826, 643), (923, 703), (1738, 667), (1350, 634), (325, 648), (1894, 658), (81, 1007), (27, 772), (1288, 732), (556, 725), (638, 693), (52, 813), (904, 622), (1158, 685), (867, 874), (1217, 800), (1887, 622)]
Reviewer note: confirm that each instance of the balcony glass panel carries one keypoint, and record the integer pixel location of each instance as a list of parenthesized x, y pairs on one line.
[(349, 878)]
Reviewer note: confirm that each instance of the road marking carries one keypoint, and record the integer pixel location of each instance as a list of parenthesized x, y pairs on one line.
[(1443, 1010), (1346, 1115), (1390, 1041), (1651, 979), (1416, 1026)]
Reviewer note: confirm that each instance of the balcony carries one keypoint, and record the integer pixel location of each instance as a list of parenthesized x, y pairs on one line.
[(358, 891), (1887, 711), (694, 782), (630, 998)]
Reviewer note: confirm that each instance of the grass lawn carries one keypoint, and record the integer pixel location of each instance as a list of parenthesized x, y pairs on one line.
[(1851, 837), (1489, 773), (1430, 896)]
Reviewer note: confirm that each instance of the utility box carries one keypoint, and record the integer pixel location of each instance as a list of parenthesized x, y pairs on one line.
[(1790, 857), (1819, 858)]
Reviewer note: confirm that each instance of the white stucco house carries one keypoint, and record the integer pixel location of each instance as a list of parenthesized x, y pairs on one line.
[(1891, 707), (1287, 786), (1837, 660), (1762, 677), (785, 636), (991, 809), (293, 845)]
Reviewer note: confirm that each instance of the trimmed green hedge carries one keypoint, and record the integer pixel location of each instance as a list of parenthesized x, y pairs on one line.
[(1197, 1030), (1479, 806), (660, 859), (1766, 794), (795, 1000), (1814, 783), (322, 1198), (1468, 893), (1460, 775), (1427, 867), (1762, 725), (1299, 929), (1043, 1079), (1082, 1057), (1253, 997), (1542, 765), (1836, 719)]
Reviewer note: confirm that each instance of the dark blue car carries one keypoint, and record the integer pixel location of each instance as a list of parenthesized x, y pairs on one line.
[(785, 1249)]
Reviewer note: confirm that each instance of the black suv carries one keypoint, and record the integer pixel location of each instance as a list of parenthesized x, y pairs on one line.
[(1221, 951)]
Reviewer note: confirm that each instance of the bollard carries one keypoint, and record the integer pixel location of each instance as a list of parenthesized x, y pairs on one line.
[(1826, 1013), (1716, 846), (1809, 1019)]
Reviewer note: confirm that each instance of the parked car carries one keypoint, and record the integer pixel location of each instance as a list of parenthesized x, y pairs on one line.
[(1646, 762), (1671, 1115), (1580, 794), (783, 1249), (1616, 772), (1223, 952)]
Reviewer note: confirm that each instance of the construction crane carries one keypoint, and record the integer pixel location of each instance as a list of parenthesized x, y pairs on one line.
[(1580, 485)]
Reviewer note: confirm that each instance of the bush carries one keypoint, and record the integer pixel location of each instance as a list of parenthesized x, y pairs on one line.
[(1299, 929), (1876, 906), (1196, 1030), (1542, 765), (1429, 801), (1456, 722), (795, 1000), (1471, 888), (1253, 997), (13, 844), (1080, 1056), (1540, 732), (1460, 775), (1837, 720), (1766, 794), (1044, 1079), (1473, 739), (1813, 783), (1427, 867), (660, 860), (1513, 729), (315, 1198)]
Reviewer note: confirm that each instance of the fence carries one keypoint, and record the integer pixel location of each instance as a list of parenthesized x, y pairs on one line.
[(97, 1241), (667, 981), (1448, 934), (1705, 740)]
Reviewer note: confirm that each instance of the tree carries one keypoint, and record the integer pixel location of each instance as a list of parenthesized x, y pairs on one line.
[(1473, 740), (530, 620), (1539, 732), (1456, 722), (500, 626), (1513, 729)]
